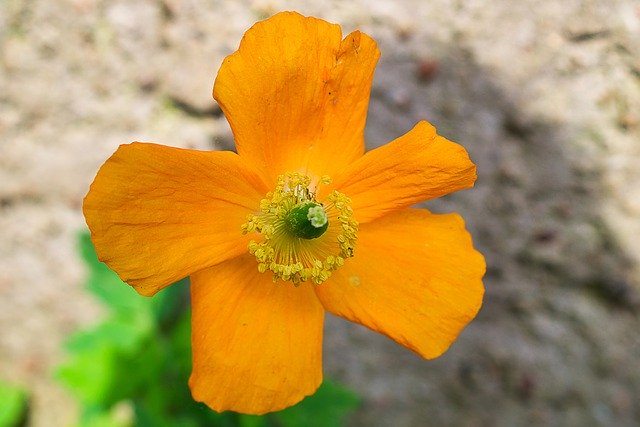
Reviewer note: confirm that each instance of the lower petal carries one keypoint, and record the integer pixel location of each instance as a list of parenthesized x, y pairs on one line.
[(158, 214), (415, 278), (257, 345)]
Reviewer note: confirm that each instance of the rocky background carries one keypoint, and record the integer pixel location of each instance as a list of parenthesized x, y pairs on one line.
[(545, 95)]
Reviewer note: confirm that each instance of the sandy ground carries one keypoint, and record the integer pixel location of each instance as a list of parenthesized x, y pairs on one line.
[(545, 95)]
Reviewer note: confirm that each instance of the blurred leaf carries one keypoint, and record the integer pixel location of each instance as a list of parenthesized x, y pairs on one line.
[(13, 405), (119, 415), (252, 421), (326, 408), (170, 303), (89, 374), (123, 332), (104, 363)]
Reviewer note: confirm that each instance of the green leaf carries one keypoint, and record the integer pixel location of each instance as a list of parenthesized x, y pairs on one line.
[(13, 405), (122, 332), (326, 408), (252, 421), (119, 415), (170, 303), (89, 374), (104, 362)]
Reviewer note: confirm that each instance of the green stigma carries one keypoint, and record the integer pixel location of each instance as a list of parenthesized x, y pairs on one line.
[(307, 220)]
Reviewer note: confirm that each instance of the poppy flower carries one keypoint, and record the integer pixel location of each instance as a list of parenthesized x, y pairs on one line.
[(300, 221)]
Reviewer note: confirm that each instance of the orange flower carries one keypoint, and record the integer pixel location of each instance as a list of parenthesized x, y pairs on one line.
[(300, 221)]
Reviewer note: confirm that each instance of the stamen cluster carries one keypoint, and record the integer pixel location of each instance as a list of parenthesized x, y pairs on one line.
[(291, 257)]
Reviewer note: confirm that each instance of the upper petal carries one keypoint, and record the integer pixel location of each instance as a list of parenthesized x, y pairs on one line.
[(418, 166), (296, 95), (158, 214), (257, 345), (415, 277)]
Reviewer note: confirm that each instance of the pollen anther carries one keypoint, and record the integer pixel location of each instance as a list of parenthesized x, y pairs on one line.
[(301, 238)]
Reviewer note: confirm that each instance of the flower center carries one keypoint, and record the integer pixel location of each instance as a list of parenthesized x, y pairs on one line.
[(302, 239)]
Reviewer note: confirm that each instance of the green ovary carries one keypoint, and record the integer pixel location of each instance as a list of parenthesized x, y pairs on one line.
[(307, 221)]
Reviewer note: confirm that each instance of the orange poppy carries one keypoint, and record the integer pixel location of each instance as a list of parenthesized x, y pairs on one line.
[(300, 221)]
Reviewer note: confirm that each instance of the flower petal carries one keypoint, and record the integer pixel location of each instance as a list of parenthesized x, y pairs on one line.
[(296, 95), (415, 277), (418, 166), (257, 345), (158, 214)]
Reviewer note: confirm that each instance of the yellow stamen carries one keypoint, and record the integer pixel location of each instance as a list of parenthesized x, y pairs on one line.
[(287, 251)]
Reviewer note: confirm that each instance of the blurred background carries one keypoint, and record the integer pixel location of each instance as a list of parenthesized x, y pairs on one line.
[(545, 95)]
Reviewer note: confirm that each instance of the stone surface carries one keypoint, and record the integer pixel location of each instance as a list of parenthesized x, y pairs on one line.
[(544, 95)]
